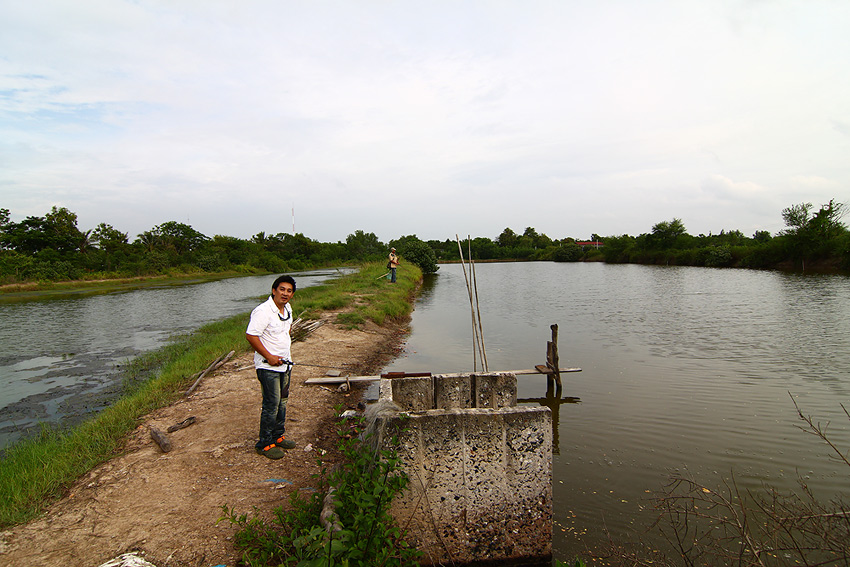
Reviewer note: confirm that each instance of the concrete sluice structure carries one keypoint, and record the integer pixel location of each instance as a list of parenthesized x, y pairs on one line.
[(480, 468)]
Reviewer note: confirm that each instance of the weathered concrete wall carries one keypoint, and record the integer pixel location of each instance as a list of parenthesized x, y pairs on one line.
[(496, 390), (480, 477)]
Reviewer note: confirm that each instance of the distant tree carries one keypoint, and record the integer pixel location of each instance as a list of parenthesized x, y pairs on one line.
[(761, 236), (180, 237), (665, 233), (508, 238), (56, 231), (796, 218), (813, 237), (108, 238), (5, 223), (826, 223), (362, 245)]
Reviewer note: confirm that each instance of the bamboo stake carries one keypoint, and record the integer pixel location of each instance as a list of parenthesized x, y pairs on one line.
[(471, 307), (478, 308)]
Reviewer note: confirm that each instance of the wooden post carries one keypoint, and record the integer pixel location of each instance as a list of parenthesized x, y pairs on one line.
[(552, 360)]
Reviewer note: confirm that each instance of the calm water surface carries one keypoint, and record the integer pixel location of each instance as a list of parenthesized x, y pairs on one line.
[(684, 370), (60, 358)]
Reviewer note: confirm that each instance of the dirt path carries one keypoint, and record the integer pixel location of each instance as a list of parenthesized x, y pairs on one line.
[(166, 505)]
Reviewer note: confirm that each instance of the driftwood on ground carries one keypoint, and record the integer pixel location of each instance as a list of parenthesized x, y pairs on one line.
[(185, 423), (161, 439)]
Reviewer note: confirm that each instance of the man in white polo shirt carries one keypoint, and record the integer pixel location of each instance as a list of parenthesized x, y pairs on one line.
[(268, 334)]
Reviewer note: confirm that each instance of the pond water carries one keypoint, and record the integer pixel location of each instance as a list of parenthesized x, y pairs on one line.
[(60, 359), (685, 370)]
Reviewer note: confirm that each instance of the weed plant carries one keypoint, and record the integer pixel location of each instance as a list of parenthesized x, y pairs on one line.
[(361, 532), (37, 470)]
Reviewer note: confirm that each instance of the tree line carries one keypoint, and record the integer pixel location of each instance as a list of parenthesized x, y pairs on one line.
[(811, 239), (52, 248)]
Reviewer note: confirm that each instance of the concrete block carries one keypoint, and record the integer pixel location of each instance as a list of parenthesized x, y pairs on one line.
[(413, 393), (480, 483), (494, 390), (452, 391)]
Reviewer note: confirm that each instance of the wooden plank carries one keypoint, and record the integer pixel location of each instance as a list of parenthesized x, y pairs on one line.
[(340, 380)]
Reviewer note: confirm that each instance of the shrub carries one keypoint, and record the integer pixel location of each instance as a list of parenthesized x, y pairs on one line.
[(419, 253)]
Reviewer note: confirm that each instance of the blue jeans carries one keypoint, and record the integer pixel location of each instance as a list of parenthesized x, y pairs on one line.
[(392, 275), (275, 395)]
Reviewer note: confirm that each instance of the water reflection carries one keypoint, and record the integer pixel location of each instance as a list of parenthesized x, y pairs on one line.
[(553, 400)]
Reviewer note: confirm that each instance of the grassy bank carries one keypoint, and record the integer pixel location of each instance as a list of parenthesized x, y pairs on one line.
[(37, 471), (78, 288)]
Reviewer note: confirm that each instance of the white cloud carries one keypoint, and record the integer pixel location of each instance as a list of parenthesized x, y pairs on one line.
[(430, 118)]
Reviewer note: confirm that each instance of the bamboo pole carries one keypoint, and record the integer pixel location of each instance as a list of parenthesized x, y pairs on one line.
[(471, 307), (355, 379), (478, 308)]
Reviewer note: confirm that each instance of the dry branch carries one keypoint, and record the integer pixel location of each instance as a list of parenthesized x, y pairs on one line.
[(216, 364), (301, 329), (185, 423)]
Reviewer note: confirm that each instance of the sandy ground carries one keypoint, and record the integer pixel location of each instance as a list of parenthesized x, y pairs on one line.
[(167, 505)]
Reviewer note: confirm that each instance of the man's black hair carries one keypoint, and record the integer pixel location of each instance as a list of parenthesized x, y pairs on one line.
[(283, 279)]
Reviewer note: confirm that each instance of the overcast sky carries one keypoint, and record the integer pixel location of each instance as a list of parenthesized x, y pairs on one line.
[(432, 118)]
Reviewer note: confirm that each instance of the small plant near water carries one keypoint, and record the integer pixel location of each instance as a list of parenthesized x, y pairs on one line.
[(360, 531)]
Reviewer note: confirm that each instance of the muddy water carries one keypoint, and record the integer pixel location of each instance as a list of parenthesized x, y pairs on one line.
[(684, 371), (61, 359)]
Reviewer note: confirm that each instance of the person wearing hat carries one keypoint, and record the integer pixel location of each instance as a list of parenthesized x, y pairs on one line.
[(392, 264)]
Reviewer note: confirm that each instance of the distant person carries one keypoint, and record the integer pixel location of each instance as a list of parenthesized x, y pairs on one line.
[(392, 264), (268, 334)]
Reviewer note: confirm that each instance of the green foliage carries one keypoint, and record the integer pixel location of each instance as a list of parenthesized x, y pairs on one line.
[(569, 252), (364, 246), (817, 237), (666, 233), (363, 533), (718, 256), (51, 248), (56, 231), (413, 250)]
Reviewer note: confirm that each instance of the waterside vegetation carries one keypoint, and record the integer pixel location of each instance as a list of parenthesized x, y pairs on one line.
[(52, 249), (40, 250), (352, 528), (38, 470)]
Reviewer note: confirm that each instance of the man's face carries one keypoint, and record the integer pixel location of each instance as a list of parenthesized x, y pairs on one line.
[(282, 294)]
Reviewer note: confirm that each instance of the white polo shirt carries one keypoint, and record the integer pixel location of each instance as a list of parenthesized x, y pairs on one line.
[(266, 323)]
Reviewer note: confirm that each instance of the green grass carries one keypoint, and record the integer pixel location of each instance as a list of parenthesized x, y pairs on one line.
[(30, 291), (37, 471)]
